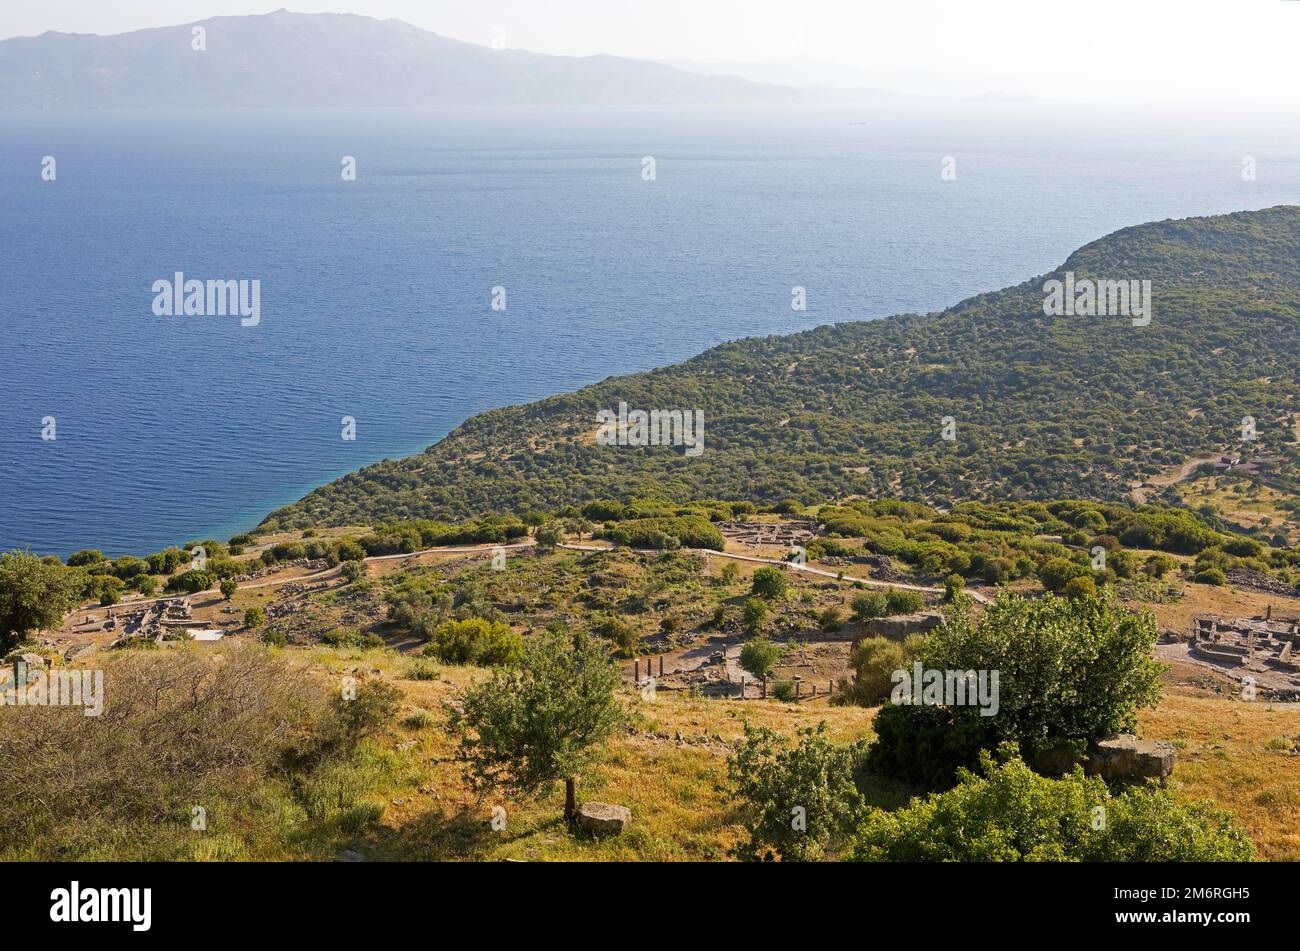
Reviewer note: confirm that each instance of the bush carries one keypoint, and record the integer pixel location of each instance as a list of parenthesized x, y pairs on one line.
[(548, 536), (476, 641), (254, 617), (785, 691), (770, 583), (952, 587), (759, 656), (874, 661), (831, 620), (753, 615), (248, 733), (798, 802), (1080, 589), (349, 550), (144, 584), (903, 602), (1008, 813), (867, 605), (192, 581), (1213, 576), (1157, 566), (619, 632), (1069, 672), (353, 571)]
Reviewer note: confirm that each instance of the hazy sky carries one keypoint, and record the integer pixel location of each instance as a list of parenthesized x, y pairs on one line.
[(1228, 52)]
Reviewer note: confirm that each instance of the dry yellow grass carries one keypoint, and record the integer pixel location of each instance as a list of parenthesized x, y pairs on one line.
[(669, 769)]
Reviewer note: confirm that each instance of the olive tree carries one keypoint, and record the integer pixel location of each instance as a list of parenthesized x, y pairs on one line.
[(34, 594), (541, 722)]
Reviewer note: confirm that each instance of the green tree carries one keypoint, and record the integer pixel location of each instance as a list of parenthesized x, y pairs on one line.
[(759, 657), (254, 617), (799, 802), (228, 588), (33, 595), (754, 615), (145, 584), (770, 583), (541, 722), (1069, 672), (548, 535)]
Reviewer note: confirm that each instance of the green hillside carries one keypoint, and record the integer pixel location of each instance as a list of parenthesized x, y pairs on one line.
[(1044, 407)]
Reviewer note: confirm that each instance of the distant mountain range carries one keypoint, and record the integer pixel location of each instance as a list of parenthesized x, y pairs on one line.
[(291, 60), (1039, 406)]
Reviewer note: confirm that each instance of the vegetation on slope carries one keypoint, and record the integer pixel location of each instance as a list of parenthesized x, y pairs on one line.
[(1042, 406)]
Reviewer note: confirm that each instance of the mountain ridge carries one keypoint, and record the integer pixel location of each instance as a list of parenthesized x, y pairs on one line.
[(1063, 407), (321, 60)]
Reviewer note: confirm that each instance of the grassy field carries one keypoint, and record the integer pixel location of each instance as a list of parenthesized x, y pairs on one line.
[(669, 768)]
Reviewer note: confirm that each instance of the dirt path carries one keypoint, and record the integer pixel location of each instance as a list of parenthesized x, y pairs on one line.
[(481, 549), (834, 575), (1142, 493)]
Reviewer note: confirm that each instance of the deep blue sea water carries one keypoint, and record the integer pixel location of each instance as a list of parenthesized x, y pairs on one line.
[(376, 293)]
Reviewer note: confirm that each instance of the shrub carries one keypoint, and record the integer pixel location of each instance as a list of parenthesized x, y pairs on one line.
[(759, 656), (867, 605), (784, 691), (144, 584), (548, 536), (798, 801), (874, 661), (353, 571), (476, 641), (1080, 588), (254, 617), (192, 581), (249, 732), (831, 620), (1213, 576), (1008, 813), (770, 583), (903, 602), (754, 615), (619, 632), (1069, 672)]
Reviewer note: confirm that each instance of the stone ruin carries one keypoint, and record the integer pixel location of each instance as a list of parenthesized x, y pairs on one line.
[(158, 621), (757, 534), (1266, 642)]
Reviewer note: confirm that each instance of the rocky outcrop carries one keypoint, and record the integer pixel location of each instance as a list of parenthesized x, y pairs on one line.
[(1127, 757), (897, 628), (600, 818)]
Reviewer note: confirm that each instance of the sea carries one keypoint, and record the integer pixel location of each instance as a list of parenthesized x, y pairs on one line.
[(609, 240)]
